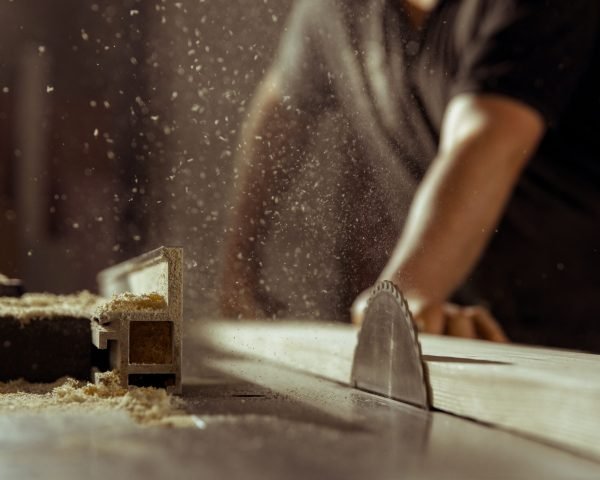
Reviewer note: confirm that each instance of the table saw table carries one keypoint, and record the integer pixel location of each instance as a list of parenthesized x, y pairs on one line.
[(251, 418)]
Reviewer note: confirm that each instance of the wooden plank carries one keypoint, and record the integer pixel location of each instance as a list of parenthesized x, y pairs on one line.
[(552, 395)]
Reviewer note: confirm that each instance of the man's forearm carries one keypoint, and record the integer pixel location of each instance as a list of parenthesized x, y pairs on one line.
[(453, 215), (267, 160), (455, 211)]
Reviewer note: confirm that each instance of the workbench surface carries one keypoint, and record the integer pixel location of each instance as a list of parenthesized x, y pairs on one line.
[(251, 419)]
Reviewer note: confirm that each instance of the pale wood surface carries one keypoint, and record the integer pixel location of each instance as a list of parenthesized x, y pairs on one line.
[(553, 395)]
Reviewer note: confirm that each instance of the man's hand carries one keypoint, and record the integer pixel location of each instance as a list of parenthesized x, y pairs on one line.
[(357, 312), (458, 321), (445, 319)]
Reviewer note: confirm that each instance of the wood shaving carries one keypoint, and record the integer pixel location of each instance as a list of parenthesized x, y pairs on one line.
[(145, 405), (129, 302)]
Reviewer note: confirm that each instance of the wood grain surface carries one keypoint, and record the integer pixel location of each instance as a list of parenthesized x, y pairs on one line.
[(552, 395)]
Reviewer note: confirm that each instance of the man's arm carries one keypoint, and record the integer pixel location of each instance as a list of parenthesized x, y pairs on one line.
[(486, 142), (270, 153)]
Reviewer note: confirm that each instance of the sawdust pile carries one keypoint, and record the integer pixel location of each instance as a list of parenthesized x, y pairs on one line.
[(145, 405), (83, 305), (129, 302), (45, 305)]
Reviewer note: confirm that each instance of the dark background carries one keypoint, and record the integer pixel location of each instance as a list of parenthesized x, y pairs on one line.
[(118, 129)]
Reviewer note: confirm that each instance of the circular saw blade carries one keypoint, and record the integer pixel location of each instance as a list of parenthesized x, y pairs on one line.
[(388, 359)]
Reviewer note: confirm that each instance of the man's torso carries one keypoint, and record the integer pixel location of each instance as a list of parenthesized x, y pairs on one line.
[(540, 271)]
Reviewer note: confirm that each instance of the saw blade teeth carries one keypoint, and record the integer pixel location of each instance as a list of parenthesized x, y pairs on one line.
[(390, 287)]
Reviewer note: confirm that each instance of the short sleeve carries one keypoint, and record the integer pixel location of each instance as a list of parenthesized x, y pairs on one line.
[(533, 51), (300, 64)]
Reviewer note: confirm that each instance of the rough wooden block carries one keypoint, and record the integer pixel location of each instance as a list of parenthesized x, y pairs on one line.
[(44, 337), (10, 287), (45, 349)]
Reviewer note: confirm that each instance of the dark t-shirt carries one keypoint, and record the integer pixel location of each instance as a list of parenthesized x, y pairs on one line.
[(540, 274)]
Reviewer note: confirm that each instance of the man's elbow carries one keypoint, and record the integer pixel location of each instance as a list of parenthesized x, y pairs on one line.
[(509, 128)]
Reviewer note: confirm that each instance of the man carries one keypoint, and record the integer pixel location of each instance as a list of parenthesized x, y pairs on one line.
[(486, 110)]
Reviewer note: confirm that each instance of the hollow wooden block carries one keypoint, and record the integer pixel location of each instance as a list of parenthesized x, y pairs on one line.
[(144, 345)]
